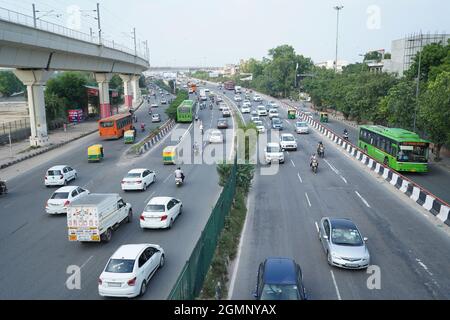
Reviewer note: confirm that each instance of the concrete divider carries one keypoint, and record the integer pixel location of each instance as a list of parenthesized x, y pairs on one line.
[(415, 192), (152, 139)]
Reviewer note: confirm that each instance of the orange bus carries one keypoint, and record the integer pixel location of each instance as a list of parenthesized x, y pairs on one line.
[(114, 127)]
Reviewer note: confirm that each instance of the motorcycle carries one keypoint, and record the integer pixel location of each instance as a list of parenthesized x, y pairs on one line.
[(178, 181), (314, 165), (345, 135), (321, 152), (3, 188)]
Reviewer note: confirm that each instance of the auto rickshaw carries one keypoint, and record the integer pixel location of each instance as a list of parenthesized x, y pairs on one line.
[(292, 113), (129, 136), (323, 117), (95, 153), (169, 155)]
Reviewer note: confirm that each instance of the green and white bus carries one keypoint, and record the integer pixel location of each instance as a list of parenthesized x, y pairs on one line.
[(185, 111), (400, 149)]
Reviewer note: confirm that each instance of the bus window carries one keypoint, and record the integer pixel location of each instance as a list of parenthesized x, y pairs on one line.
[(107, 124)]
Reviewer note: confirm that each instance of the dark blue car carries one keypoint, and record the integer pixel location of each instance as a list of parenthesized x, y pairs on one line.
[(277, 124), (280, 279)]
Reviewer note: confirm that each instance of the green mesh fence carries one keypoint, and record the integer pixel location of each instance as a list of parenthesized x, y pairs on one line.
[(190, 281)]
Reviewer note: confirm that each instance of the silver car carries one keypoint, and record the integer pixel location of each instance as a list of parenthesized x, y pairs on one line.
[(343, 243)]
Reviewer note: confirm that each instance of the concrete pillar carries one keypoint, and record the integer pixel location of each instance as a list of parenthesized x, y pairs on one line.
[(103, 93), (127, 92), (136, 89), (35, 81)]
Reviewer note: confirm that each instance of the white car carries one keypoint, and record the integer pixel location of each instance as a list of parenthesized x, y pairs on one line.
[(262, 111), (273, 105), (138, 179), (59, 175), (301, 127), (254, 113), (222, 106), (257, 98), (255, 118), (160, 213), (154, 105), (226, 112), (288, 142), (247, 103), (62, 197), (245, 109), (129, 270), (273, 153), (273, 113), (156, 117), (215, 136), (259, 126), (237, 98), (163, 101)]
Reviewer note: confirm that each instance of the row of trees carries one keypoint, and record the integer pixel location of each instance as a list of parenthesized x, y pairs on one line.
[(10, 84), (388, 100)]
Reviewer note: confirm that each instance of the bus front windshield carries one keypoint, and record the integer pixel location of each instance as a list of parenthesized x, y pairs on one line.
[(416, 153)]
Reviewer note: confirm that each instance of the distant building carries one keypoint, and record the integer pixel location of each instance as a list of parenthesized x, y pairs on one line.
[(403, 51), (230, 70), (329, 64)]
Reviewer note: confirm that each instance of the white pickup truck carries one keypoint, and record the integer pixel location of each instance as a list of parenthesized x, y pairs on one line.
[(94, 217)]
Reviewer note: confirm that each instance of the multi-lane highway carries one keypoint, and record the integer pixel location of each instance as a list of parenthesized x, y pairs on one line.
[(34, 249), (405, 242)]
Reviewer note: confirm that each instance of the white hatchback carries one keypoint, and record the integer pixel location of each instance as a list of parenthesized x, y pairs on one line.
[(59, 175), (138, 179), (215, 136), (62, 197), (262, 111), (245, 109), (130, 269), (273, 113), (160, 213)]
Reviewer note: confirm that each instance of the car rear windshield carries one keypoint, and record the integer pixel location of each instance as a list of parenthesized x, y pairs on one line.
[(60, 195), (120, 266), (346, 237), (301, 124), (288, 138), (155, 208), (53, 172), (133, 175), (276, 121), (280, 292)]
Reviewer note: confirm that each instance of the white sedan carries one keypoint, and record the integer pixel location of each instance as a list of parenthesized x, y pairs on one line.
[(245, 109), (62, 197), (160, 213), (130, 269), (215, 136), (138, 179), (59, 175)]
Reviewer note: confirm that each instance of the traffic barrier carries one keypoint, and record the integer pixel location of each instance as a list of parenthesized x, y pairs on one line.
[(153, 138), (415, 192)]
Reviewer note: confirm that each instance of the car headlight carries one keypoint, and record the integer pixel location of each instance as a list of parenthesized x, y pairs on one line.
[(334, 255)]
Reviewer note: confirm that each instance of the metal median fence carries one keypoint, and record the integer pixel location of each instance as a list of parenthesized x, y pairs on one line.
[(190, 281)]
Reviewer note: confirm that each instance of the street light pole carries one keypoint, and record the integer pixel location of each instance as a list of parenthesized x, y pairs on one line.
[(418, 82), (99, 24), (337, 8), (34, 15), (134, 38)]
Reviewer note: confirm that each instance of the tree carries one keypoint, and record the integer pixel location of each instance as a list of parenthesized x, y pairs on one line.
[(9, 83), (387, 55), (434, 111), (433, 55), (70, 86), (373, 55)]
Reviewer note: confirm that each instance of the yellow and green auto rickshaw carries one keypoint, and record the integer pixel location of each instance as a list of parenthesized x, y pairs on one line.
[(95, 153), (292, 113), (170, 155), (128, 136), (323, 117)]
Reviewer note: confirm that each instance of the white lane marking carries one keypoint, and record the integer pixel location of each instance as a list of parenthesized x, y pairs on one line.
[(288, 123), (88, 183), (165, 180), (332, 168), (345, 180), (184, 134), (424, 266), (293, 163), (238, 257), (307, 198), (299, 178), (149, 197), (335, 285), (85, 263), (7, 205), (317, 226), (362, 199)]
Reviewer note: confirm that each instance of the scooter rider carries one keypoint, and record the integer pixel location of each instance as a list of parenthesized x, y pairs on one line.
[(313, 158), (179, 174), (320, 147)]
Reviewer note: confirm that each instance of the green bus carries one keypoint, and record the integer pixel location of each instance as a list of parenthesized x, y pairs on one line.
[(185, 111), (400, 149)]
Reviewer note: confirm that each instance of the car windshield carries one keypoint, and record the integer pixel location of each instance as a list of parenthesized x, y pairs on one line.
[(262, 108), (53, 172), (276, 121), (155, 208), (120, 266), (412, 153), (288, 138), (301, 124), (133, 175), (280, 292), (346, 237), (273, 149), (60, 195)]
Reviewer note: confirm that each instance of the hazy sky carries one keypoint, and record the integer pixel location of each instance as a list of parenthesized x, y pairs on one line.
[(214, 32)]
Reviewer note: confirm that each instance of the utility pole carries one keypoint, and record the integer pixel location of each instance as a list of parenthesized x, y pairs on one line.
[(99, 24), (134, 38), (418, 81), (337, 8), (34, 15)]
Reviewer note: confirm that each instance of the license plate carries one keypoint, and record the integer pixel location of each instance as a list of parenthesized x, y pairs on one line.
[(114, 284)]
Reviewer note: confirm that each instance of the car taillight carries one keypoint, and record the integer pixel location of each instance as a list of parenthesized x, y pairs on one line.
[(132, 282), (139, 181), (142, 217), (45, 177), (46, 204), (66, 203), (123, 181), (164, 218), (100, 282), (61, 176)]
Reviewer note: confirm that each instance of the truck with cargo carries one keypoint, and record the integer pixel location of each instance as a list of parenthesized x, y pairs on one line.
[(94, 217)]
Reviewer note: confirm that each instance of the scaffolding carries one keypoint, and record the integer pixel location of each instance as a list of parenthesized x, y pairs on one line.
[(415, 42)]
